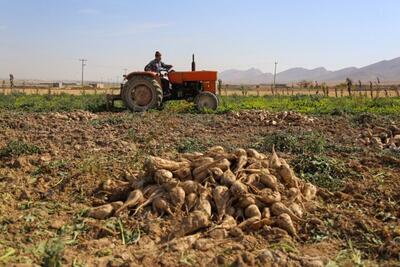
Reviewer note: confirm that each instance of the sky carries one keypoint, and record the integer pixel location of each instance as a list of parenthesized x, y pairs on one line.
[(44, 39)]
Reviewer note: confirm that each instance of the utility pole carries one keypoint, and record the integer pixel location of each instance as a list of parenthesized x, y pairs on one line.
[(276, 63), (83, 66)]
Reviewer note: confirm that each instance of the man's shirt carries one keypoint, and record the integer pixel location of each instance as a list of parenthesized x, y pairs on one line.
[(156, 66)]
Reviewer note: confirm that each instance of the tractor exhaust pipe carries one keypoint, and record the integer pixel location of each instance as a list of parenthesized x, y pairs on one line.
[(193, 64)]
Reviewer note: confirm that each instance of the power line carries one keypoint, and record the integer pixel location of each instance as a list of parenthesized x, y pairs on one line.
[(83, 66)]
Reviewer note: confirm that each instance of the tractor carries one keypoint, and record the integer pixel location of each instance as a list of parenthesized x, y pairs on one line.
[(144, 90)]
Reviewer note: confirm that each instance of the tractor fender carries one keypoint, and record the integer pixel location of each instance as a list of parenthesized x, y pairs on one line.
[(150, 74)]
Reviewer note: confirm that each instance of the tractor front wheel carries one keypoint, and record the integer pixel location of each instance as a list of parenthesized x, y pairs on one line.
[(142, 93), (206, 100)]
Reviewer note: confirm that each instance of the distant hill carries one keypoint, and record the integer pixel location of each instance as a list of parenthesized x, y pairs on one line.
[(386, 70)]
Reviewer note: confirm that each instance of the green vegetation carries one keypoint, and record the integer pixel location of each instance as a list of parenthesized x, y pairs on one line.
[(323, 171), (297, 143), (298, 103), (313, 104), (18, 148), (53, 253), (190, 145), (46, 103), (311, 162)]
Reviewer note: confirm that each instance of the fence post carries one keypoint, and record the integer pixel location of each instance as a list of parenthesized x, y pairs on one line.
[(3, 85), (371, 88)]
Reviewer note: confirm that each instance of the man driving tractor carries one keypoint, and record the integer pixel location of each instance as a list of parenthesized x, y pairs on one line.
[(156, 65), (149, 89)]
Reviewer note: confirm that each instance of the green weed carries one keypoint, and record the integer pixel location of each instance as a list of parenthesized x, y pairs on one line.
[(297, 143), (322, 171), (190, 145), (285, 246), (53, 253), (18, 148), (9, 252)]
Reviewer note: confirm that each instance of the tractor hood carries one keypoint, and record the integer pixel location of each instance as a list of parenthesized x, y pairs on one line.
[(178, 77)]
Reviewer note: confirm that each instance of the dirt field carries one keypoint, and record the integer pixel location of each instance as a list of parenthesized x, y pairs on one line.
[(54, 167)]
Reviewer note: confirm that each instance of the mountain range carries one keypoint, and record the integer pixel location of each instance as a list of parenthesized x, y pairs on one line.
[(386, 71)]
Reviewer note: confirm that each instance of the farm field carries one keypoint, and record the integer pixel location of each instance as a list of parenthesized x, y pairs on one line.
[(63, 155)]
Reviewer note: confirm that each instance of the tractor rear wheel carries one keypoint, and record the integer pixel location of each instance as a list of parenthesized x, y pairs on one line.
[(142, 93), (206, 100)]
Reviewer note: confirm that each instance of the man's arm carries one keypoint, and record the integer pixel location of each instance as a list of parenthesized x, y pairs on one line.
[(166, 66)]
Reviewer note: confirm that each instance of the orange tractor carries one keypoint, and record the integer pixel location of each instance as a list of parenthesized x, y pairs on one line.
[(148, 90)]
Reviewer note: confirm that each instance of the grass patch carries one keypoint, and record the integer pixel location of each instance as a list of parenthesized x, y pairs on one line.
[(297, 143), (190, 145), (322, 171), (47, 103), (18, 148)]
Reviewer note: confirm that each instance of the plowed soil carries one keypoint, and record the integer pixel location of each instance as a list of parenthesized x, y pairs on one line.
[(53, 165)]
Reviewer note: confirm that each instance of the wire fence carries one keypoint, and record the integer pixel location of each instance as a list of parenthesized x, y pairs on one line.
[(333, 91), (58, 91), (229, 90)]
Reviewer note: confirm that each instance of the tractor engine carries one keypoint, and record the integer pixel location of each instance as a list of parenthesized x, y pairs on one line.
[(186, 90)]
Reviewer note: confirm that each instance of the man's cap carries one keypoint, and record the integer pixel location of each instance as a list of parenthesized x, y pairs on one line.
[(158, 54)]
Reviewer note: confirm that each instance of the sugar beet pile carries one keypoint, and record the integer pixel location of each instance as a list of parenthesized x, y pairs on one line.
[(241, 189)]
